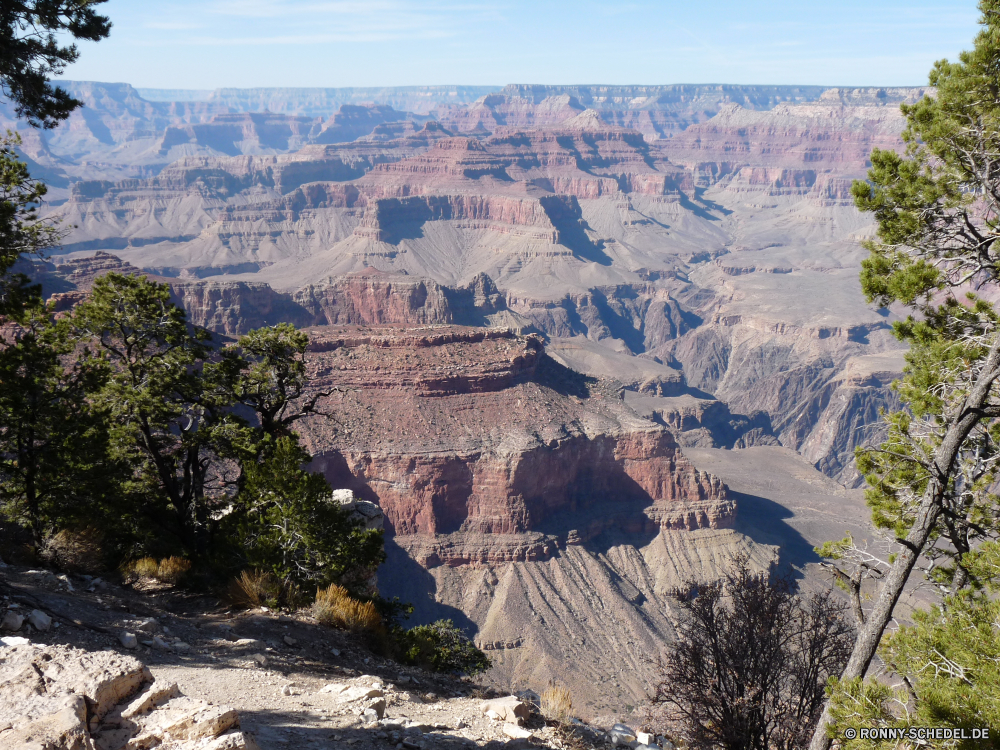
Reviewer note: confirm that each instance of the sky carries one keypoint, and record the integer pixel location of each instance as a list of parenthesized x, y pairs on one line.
[(207, 44)]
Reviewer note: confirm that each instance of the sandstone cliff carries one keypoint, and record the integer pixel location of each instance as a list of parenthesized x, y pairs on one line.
[(520, 496)]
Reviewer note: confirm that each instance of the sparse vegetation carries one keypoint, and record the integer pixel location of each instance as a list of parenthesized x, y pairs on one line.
[(441, 647), (751, 662), (335, 606), (77, 550), (168, 570), (258, 588), (557, 703)]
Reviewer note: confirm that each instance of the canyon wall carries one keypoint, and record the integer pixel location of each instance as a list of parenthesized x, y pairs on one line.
[(500, 472)]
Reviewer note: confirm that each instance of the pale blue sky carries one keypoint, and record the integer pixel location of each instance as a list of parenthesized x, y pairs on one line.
[(204, 44)]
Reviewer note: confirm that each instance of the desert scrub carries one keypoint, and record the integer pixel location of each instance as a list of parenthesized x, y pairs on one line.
[(334, 606), (557, 703), (441, 647), (257, 588), (168, 570)]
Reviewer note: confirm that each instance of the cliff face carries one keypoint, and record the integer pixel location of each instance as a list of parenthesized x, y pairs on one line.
[(521, 499), (465, 431), (725, 256)]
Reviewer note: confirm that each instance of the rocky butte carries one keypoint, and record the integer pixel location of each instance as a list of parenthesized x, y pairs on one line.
[(528, 305), (520, 496)]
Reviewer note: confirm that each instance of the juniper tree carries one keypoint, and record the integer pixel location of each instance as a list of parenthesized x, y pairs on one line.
[(31, 52), (22, 231), (937, 211), (53, 469)]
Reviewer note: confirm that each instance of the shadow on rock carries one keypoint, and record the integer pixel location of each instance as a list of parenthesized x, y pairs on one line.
[(402, 576), (763, 521)]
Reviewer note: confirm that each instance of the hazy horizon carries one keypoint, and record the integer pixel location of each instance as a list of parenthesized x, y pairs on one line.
[(205, 45)]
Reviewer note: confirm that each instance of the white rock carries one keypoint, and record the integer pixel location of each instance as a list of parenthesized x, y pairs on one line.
[(491, 714), (181, 647), (515, 732), (128, 640), (621, 734), (509, 709), (286, 690), (645, 738), (11, 620), (260, 659), (357, 693), (335, 651), (149, 625), (249, 643), (14, 640), (334, 687), (155, 695), (39, 620)]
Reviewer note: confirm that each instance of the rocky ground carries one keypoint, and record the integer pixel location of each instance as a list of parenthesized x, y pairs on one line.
[(160, 667)]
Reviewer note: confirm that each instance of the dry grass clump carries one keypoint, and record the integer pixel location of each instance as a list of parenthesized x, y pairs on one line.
[(145, 567), (173, 569), (334, 606), (255, 588), (258, 588), (557, 703), (76, 550), (168, 570)]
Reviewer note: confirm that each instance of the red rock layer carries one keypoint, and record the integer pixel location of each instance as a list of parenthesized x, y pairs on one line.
[(470, 443)]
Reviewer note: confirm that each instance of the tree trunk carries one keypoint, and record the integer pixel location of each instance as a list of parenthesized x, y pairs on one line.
[(964, 421)]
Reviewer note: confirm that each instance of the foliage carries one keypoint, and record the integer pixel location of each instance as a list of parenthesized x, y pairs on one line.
[(750, 663), (30, 34), (77, 550), (165, 420), (441, 647), (937, 208), (285, 521), (950, 661), (207, 436), (22, 232), (52, 448), (335, 606), (171, 569)]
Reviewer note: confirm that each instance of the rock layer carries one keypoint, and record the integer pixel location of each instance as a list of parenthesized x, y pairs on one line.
[(479, 436)]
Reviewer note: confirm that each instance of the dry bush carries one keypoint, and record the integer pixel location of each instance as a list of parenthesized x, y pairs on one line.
[(556, 703), (334, 606), (172, 569), (76, 551), (168, 570), (145, 567), (255, 588)]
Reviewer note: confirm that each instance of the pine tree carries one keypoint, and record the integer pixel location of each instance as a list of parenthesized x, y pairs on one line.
[(937, 209)]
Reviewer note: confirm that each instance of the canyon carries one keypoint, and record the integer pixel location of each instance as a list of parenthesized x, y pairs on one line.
[(556, 326)]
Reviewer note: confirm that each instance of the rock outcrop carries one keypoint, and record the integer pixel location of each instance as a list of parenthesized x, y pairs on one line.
[(63, 698), (465, 432)]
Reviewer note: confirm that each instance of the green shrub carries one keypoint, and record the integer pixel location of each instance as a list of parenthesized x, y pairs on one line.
[(441, 647)]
